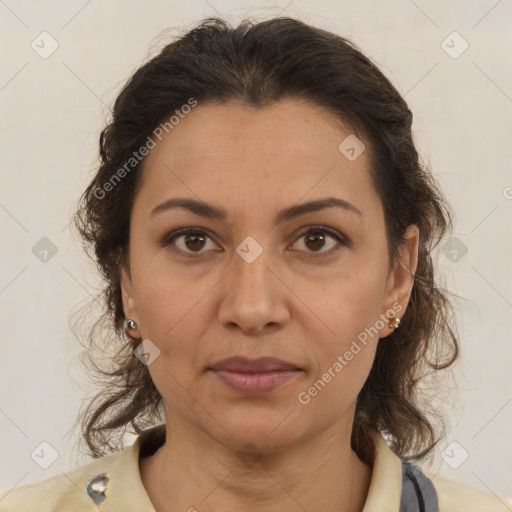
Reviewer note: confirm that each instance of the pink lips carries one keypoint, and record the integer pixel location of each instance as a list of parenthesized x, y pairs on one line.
[(255, 376)]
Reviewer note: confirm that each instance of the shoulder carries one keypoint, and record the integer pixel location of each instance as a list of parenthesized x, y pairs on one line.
[(66, 491), (455, 496), (70, 490), (110, 483)]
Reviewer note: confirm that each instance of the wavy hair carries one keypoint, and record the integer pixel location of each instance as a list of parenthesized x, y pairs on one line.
[(258, 64)]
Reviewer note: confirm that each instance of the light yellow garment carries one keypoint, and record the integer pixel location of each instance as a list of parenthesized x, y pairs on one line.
[(126, 493)]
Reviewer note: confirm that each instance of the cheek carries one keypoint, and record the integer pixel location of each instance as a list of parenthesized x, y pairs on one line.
[(328, 397), (174, 311), (349, 304), (347, 336), (342, 359), (174, 322), (166, 296)]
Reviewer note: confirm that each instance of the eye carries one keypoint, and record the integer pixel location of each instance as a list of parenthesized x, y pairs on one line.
[(316, 238), (189, 240), (192, 241)]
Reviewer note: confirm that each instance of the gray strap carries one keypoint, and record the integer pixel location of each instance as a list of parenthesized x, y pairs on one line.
[(418, 492)]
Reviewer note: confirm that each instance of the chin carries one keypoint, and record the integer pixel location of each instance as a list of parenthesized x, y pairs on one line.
[(267, 430)]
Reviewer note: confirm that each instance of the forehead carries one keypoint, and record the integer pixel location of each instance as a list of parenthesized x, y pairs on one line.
[(238, 154), (290, 125)]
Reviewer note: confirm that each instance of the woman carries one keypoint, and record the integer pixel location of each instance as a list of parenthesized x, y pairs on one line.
[(265, 229)]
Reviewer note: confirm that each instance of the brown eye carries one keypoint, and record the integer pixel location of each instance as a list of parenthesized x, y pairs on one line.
[(194, 242), (188, 240), (317, 239)]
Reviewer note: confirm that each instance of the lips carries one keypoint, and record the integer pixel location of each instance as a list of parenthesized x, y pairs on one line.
[(260, 365), (255, 376)]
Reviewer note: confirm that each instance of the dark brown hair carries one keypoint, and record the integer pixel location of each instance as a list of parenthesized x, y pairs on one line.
[(258, 64)]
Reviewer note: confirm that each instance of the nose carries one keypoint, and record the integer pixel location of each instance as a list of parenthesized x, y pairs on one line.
[(255, 299)]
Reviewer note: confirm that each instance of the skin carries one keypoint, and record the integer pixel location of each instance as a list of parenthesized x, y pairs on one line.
[(299, 300)]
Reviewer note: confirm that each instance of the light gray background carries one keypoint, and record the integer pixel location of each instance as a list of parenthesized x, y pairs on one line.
[(52, 111)]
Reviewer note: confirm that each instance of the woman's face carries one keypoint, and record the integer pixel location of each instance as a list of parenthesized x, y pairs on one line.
[(311, 287)]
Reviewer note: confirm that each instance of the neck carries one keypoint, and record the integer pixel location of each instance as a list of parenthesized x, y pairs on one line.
[(191, 471)]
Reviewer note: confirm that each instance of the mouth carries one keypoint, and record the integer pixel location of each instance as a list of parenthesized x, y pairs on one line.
[(255, 376)]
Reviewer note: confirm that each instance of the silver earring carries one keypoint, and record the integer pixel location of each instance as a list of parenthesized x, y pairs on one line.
[(129, 324)]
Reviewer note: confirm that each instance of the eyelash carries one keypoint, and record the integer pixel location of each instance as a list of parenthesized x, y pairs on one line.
[(168, 239)]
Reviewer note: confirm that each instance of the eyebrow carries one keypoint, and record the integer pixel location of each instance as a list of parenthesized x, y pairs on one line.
[(213, 212)]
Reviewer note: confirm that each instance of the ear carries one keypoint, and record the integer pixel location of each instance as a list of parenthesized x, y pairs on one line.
[(401, 279), (129, 303)]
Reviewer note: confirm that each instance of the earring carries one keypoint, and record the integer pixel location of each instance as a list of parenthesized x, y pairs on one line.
[(394, 322), (129, 324)]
